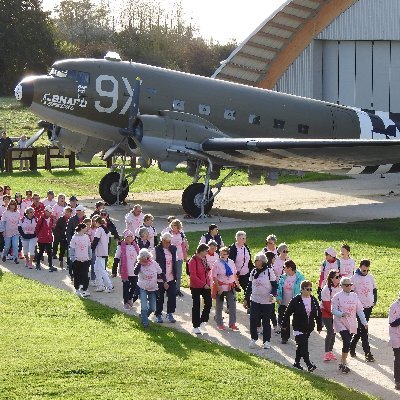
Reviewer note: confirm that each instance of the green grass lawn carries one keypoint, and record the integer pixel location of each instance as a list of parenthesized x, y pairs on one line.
[(55, 345)]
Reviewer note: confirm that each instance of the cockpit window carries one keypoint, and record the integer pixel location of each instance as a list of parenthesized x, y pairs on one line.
[(83, 78)]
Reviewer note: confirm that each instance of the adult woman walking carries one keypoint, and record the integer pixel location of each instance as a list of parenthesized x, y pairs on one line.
[(345, 308), (225, 285), (239, 252), (26, 229), (288, 287), (306, 313), (259, 298), (200, 286), (330, 289)]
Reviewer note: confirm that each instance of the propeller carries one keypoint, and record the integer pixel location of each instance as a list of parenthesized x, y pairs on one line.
[(135, 126)]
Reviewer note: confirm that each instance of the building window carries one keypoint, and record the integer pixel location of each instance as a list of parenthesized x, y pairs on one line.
[(254, 119), (204, 109), (279, 124), (230, 114), (178, 105), (303, 129)]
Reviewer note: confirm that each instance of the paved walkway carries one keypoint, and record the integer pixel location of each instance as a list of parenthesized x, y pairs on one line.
[(374, 378)]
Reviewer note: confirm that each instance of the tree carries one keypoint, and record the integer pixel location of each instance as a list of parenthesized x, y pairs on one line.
[(26, 41)]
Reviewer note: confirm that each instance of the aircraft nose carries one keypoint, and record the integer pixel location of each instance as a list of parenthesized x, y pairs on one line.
[(24, 92)]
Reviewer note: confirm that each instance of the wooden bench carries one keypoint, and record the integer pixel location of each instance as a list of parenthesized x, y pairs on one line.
[(16, 154), (55, 152)]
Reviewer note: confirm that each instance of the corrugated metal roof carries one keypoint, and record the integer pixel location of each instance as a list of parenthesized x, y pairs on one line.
[(250, 61)]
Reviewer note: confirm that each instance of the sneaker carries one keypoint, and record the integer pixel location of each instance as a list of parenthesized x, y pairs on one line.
[(327, 356), (171, 318), (197, 331), (267, 345), (353, 353), (332, 355), (9, 258), (159, 319), (3, 258), (109, 290), (252, 344), (99, 289), (16, 261), (203, 327), (311, 368), (298, 366), (369, 357), (78, 292), (38, 268), (277, 330), (20, 256), (26, 266), (130, 303), (233, 327), (52, 269), (344, 368), (397, 386), (92, 283), (221, 327), (127, 306), (179, 293), (30, 266), (85, 293)]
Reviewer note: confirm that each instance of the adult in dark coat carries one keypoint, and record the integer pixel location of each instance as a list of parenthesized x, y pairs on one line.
[(5, 144), (166, 258)]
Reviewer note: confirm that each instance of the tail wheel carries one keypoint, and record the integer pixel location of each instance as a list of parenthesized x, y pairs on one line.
[(108, 188), (192, 197)]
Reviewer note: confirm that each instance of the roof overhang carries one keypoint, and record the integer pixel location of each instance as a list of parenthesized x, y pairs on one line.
[(268, 52)]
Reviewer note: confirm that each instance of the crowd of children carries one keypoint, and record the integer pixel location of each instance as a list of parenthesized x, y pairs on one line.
[(151, 269)]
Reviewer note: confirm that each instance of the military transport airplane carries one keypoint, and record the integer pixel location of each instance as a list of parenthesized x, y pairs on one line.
[(92, 105)]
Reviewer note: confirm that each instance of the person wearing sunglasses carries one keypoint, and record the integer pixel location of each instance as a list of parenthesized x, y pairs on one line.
[(346, 306), (270, 244), (306, 314), (328, 292), (365, 286)]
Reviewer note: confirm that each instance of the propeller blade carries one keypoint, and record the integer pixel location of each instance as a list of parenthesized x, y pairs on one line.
[(35, 137), (112, 150), (134, 110)]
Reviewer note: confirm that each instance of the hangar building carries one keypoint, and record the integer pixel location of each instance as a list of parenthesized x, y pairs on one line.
[(342, 51)]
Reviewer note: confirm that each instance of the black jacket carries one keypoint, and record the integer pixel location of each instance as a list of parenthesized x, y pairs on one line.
[(233, 254), (301, 322), (59, 229), (71, 225), (160, 258)]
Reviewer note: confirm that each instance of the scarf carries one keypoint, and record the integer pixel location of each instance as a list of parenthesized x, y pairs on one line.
[(228, 270)]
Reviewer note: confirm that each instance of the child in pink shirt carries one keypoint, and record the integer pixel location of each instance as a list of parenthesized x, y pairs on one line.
[(80, 254), (347, 264), (10, 221), (330, 262)]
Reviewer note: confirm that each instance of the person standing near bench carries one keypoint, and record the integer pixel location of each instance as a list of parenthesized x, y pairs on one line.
[(5, 144)]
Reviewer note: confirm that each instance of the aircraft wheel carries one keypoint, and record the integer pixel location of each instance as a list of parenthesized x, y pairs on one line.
[(191, 200), (108, 188)]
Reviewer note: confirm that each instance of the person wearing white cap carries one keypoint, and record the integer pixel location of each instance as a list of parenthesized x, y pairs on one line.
[(44, 232), (126, 256), (330, 262)]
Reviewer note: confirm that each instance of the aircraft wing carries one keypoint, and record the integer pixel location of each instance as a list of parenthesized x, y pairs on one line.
[(256, 144), (303, 154)]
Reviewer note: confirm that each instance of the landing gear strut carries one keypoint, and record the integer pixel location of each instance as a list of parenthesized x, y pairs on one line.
[(198, 198), (114, 187)]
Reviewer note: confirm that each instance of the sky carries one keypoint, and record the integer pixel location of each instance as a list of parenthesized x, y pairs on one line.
[(220, 20)]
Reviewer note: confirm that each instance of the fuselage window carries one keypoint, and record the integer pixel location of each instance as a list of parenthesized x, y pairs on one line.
[(83, 78), (178, 105), (279, 124), (254, 119), (204, 109), (303, 129), (230, 114), (58, 73)]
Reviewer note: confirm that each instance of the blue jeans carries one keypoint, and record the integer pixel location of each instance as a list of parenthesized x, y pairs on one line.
[(178, 275), (148, 305), (11, 241)]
